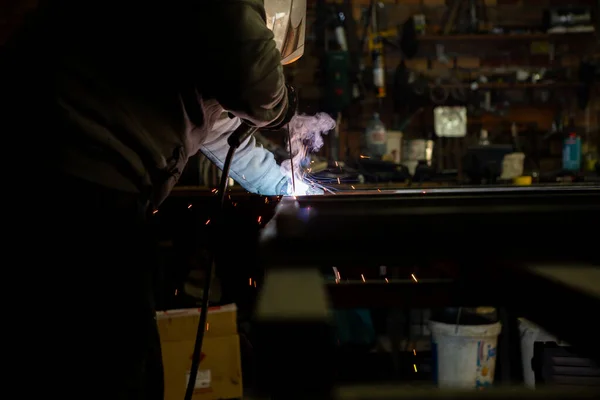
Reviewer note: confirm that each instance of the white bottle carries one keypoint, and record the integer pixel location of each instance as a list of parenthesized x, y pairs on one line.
[(376, 137), (483, 138)]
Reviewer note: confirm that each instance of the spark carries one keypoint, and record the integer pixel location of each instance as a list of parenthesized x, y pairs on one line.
[(250, 281), (154, 212), (414, 277), (415, 367), (176, 292), (386, 280), (379, 190), (337, 275), (214, 190), (338, 179), (336, 164), (414, 352), (361, 156), (266, 200), (254, 283), (352, 187), (190, 206), (362, 277), (207, 222), (259, 219), (207, 326)]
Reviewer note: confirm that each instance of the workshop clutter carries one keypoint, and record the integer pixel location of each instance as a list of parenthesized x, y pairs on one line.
[(531, 333), (220, 372)]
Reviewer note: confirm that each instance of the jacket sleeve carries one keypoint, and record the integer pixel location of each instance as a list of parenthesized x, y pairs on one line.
[(243, 66), (253, 167)]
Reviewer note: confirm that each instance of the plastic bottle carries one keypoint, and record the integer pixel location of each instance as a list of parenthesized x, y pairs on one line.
[(483, 138), (376, 137), (572, 153)]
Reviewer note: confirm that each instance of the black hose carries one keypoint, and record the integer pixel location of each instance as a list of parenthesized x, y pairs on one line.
[(236, 138)]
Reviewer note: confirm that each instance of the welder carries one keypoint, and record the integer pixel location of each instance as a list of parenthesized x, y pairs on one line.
[(107, 101)]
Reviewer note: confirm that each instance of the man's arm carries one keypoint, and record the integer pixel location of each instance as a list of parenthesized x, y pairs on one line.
[(242, 69), (253, 167)]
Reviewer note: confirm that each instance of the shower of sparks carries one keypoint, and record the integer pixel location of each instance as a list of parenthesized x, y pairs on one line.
[(414, 277)]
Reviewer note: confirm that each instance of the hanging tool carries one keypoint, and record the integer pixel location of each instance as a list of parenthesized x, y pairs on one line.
[(473, 10)]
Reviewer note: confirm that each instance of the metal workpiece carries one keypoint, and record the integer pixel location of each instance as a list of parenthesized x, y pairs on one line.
[(398, 392), (530, 250), (293, 329), (379, 392), (383, 228)]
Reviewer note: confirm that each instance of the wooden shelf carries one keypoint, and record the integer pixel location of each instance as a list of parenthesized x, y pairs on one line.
[(508, 86), (500, 37)]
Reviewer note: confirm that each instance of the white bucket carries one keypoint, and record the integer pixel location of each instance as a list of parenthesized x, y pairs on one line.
[(464, 356), (531, 333)]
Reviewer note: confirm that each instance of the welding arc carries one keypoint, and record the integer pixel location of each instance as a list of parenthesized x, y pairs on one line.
[(236, 138)]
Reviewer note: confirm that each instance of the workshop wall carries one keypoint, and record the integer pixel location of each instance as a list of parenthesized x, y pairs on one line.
[(12, 14), (532, 108), (478, 55)]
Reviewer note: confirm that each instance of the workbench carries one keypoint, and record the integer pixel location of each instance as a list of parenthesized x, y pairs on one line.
[(531, 250)]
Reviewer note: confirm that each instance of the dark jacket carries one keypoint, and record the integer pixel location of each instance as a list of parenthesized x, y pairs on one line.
[(130, 91)]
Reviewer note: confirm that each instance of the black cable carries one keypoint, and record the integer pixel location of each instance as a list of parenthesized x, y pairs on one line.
[(236, 138)]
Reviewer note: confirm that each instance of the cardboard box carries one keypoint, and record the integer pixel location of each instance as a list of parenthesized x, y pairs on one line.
[(220, 372)]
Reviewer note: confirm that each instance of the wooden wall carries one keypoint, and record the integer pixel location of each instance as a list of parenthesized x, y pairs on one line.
[(479, 55)]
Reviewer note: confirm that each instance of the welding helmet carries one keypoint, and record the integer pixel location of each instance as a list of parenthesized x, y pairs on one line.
[(287, 20)]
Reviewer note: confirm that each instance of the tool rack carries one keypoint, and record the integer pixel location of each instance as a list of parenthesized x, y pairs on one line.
[(532, 251)]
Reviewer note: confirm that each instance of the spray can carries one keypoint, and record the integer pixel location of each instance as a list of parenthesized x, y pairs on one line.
[(376, 137), (572, 153)]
